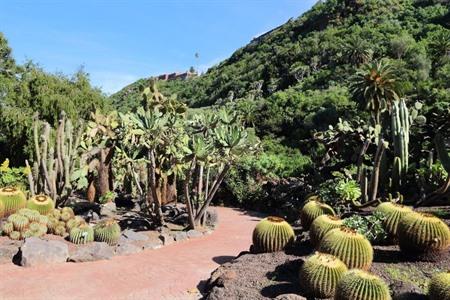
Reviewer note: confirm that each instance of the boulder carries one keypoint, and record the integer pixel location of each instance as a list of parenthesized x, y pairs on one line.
[(108, 210), (92, 252), (194, 234), (8, 251), (180, 236), (37, 252), (131, 235), (127, 249)]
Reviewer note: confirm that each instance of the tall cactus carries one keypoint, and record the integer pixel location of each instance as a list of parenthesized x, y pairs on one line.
[(400, 123), (55, 157)]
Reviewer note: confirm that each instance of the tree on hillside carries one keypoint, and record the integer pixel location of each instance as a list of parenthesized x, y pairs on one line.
[(375, 87)]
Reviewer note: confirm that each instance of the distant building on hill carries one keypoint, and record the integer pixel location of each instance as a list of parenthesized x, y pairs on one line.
[(176, 75)]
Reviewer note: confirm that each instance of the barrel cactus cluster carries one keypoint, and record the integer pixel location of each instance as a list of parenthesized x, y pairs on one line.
[(25, 223), (63, 220), (321, 226), (272, 234)]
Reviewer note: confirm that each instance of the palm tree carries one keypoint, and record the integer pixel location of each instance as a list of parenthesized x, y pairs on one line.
[(375, 87), (356, 51)]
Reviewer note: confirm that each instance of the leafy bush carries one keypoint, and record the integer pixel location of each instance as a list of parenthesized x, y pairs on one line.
[(16, 177), (370, 226), (348, 190)]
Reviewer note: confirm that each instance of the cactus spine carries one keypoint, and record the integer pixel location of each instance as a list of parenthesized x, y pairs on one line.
[(107, 231), (361, 285), (41, 203), (439, 287), (393, 213), (272, 234), (349, 246), (311, 210), (421, 233), (13, 199), (321, 226), (320, 274)]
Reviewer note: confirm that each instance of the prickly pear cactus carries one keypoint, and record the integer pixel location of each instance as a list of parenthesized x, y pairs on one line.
[(81, 235), (321, 226), (439, 287), (393, 213), (107, 231), (320, 274), (349, 246), (272, 234), (423, 234), (13, 199), (361, 285), (41, 203), (311, 210)]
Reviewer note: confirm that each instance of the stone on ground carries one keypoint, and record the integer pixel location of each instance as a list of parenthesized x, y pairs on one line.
[(36, 251), (92, 252)]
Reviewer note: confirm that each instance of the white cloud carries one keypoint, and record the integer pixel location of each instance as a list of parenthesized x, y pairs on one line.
[(111, 82)]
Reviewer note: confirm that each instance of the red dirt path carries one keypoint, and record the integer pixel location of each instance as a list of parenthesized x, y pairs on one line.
[(166, 273)]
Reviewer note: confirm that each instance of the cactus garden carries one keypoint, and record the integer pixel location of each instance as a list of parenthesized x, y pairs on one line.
[(312, 163)]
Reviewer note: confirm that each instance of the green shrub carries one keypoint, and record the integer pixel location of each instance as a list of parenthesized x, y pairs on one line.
[(370, 226), (13, 176)]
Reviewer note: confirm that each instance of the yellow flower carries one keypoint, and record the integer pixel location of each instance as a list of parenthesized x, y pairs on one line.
[(26, 170), (4, 166)]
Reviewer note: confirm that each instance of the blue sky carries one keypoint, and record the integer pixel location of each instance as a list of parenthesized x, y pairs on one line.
[(119, 41)]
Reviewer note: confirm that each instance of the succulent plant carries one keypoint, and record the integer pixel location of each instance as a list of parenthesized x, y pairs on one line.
[(107, 231), (43, 204), (66, 216), (321, 225), (81, 235), (19, 222), (27, 234), (60, 230), (2, 209), (349, 246), (67, 209), (75, 222), (311, 210), (31, 215), (422, 233), (56, 213), (7, 228), (392, 213), (43, 220), (52, 223), (272, 234), (13, 199), (361, 285), (320, 274), (439, 286), (15, 235)]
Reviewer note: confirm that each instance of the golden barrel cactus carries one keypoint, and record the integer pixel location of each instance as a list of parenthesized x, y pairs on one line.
[(422, 233), (311, 210), (41, 203), (321, 226), (272, 234), (13, 199), (320, 274), (392, 212), (349, 246), (439, 287), (361, 285)]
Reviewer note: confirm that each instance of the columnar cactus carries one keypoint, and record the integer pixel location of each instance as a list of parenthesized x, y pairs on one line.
[(439, 287), (311, 210), (107, 231), (81, 235), (321, 226), (43, 204), (13, 199), (349, 246), (421, 233), (320, 274), (272, 234), (400, 124), (393, 213), (361, 285)]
